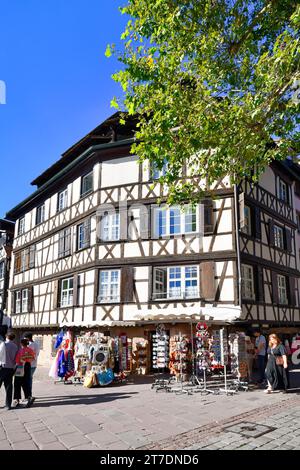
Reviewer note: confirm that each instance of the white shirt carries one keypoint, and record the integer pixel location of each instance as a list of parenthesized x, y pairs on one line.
[(35, 348), (2, 352)]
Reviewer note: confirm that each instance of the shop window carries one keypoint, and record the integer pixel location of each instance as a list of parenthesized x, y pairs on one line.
[(40, 214), (109, 286), (282, 289), (66, 292), (173, 220), (176, 282), (248, 291), (110, 227), (64, 243), (83, 235), (87, 183), (62, 200)]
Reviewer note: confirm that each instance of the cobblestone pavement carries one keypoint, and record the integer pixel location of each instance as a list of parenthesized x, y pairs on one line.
[(133, 416)]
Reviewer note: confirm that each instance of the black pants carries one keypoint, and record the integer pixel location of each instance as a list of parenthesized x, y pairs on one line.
[(6, 377), (23, 383)]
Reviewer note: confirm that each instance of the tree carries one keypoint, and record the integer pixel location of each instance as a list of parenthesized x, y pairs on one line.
[(215, 84)]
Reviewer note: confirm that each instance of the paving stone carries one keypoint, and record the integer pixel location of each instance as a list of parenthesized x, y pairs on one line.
[(61, 429), (88, 446), (103, 437), (25, 445), (18, 436), (52, 446), (73, 439), (5, 445), (84, 424), (43, 437)]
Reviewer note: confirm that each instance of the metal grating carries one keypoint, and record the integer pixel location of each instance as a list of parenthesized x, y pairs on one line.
[(250, 429)]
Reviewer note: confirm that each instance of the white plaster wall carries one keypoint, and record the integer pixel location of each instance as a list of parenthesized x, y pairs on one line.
[(120, 171)]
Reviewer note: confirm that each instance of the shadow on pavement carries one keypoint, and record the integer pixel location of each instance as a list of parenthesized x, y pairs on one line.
[(43, 402)]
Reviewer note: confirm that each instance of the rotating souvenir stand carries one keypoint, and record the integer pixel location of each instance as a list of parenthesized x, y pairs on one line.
[(179, 361), (160, 357), (203, 355), (238, 360), (223, 357)]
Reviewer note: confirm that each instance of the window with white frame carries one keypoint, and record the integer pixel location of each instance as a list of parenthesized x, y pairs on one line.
[(278, 237), (2, 270), (83, 235), (21, 227), (174, 220), (283, 191), (87, 183), (109, 286), (282, 289), (248, 291), (110, 227), (21, 301), (40, 214), (155, 172), (66, 292), (62, 200), (64, 243), (247, 221), (180, 282)]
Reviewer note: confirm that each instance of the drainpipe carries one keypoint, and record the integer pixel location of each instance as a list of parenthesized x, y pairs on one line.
[(239, 283)]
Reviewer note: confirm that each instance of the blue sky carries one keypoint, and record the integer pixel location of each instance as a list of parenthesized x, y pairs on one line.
[(58, 82)]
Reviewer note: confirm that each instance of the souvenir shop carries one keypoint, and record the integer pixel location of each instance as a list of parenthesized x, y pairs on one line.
[(100, 356)]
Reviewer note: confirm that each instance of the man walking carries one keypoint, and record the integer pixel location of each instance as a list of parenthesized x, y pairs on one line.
[(7, 370), (260, 353), (35, 347)]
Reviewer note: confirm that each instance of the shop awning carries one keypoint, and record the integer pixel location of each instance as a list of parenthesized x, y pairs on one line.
[(95, 324)]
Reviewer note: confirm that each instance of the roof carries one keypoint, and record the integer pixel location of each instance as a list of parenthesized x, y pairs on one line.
[(7, 225)]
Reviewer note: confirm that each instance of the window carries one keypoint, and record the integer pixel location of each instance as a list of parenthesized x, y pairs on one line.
[(40, 214), (87, 184), (21, 228), (21, 299), (278, 237), (176, 282), (109, 286), (83, 235), (174, 221), (247, 282), (18, 301), (25, 259), (282, 290), (283, 191), (247, 221), (110, 227), (2, 270), (66, 292), (62, 200), (155, 172), (64, 243)]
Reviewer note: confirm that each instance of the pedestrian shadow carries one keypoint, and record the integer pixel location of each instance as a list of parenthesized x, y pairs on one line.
[(58, 400), (294, 390)]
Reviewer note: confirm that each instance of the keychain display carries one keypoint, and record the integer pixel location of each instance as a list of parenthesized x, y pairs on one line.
[(160, 348)]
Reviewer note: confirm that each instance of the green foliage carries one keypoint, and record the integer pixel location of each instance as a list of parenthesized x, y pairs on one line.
[(211, 82)]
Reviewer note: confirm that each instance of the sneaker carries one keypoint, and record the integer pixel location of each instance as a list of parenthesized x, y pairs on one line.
[(31, 400), (16, 403), (7, 408), (268, 390)]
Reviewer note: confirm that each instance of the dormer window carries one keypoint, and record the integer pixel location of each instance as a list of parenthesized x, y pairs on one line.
[(87, 184), (21, 227), (62, 200), (40, 214)]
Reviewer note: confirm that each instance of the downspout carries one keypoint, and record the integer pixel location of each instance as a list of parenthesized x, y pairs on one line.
[(239, 282)]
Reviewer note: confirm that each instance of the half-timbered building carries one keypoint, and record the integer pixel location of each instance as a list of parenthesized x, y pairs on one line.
[(96, 247), (6, 243)]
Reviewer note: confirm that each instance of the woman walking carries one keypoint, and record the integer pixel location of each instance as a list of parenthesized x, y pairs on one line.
[(24, 358), (277, 366)]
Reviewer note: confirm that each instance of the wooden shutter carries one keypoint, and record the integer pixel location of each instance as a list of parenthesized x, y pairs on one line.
[(288, 240), (242, 210), (256, 222), (123, 224), (30, 299), (274, 287), (67, 241), (154, 229), (13, 302), (56, 294), (259, 283), (96, 286), (292, 291), (207, 280), (61, 238), (271, 232), (32, 251), (127, 284), (75, 289), (18, 262), (208, 216)]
